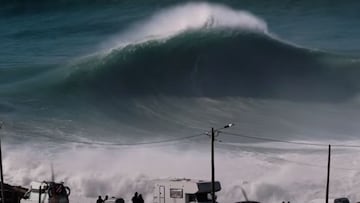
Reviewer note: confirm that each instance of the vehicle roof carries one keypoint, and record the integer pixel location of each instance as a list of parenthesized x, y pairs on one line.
[(184, 180)]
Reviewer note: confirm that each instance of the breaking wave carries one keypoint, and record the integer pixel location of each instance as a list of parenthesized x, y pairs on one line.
[(217, 52), (206, 63)]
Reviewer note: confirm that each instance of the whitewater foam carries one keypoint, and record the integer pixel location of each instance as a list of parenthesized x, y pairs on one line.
[(268, 173), (191, 16), (266, 176)]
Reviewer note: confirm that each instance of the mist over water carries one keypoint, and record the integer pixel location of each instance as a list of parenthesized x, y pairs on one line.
[(266, 176), (78, 85)]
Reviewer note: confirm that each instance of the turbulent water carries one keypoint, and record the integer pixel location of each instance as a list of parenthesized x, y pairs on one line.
[(95, 88)]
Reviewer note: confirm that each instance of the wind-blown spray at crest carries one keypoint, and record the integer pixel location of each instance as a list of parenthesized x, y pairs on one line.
[(189, 17)]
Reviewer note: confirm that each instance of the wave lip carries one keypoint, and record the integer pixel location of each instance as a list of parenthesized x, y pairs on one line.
[(191, 16)]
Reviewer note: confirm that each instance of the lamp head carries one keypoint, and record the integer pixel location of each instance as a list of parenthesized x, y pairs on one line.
[(229, 125)]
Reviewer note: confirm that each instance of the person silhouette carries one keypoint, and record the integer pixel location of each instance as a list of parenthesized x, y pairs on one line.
[(140, 199), (135, 198), (99, 200), (106, 198)]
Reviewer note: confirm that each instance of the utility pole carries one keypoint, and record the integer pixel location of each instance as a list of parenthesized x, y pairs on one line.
[(212, 166), (40, 194), (213, 131), (328, 176), (1, 168)]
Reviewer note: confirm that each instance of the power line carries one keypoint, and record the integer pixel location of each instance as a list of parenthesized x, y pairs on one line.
[(198, 135), (117, 144), (301, 163), (229, 133), (128, 144), (153, 142), (316, 166), (288, 142), (223, 132)]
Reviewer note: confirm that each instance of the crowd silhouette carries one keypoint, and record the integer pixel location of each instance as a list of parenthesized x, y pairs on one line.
[(137, 198)]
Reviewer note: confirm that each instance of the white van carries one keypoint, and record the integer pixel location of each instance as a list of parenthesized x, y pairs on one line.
[(183, 191)]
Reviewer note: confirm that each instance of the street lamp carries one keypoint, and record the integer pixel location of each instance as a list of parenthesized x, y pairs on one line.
[(213, 131)]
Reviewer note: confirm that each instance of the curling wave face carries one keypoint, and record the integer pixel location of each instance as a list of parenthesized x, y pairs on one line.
[(218, 52)]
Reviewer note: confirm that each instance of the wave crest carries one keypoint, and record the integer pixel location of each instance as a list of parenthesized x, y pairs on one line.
[(191, 16)]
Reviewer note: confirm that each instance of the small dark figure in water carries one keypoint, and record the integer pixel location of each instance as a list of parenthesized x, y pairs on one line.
[(140, 199), (135, 199), (99, 200)]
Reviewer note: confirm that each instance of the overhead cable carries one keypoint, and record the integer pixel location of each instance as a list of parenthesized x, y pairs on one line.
[(132, 144), (287, 141)]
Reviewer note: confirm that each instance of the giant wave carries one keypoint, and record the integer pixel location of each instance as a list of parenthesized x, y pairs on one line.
[(152, 81), (218, 52), (206, 63)]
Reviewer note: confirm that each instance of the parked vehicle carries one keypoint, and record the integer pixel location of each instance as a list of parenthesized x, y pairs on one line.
[(49, 192), (183, 191)]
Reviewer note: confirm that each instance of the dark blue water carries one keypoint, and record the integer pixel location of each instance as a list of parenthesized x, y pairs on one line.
[(104, 58)]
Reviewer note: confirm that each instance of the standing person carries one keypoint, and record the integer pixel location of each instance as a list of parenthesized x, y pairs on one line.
[(106, 198), (140, 199), (135, 198), (99, 200)]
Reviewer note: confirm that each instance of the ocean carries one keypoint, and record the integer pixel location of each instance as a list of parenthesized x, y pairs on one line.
[(115, 94)]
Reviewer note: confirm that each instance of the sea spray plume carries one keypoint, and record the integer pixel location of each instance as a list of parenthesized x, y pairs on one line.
[(191, 16), (119, 175)]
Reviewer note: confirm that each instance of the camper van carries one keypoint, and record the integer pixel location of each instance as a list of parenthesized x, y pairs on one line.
[(183, 191), (50, 192)]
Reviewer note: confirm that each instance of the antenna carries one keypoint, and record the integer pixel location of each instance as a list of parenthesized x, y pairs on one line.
[(244, 193), (328, 176), (52, 172)]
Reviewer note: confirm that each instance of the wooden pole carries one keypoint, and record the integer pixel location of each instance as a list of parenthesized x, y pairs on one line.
[(212, 166), (40, 194), (213, 162), (328, 176), (1, 171)]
